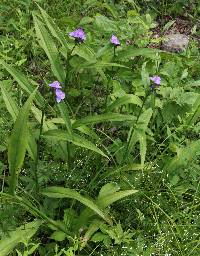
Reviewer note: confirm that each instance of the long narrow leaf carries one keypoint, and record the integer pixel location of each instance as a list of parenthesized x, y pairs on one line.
[(109, 195), (65, 115), (59, 192), (102, 118), (13, 109), (55, 31), (18, 142), (59, 135), (50, 49)]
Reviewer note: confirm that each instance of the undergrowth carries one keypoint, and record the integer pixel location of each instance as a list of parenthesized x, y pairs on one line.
[(99, 149)]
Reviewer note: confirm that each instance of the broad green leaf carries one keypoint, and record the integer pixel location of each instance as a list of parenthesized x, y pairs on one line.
[(126, 99), (49, 125), (59, 192), (54, 29), (18, 142), (65, 115), (58, 235), (108, 117), (108, 189), (50, 49), (109, 195), (23, 233), (59, 135), (24, 82)]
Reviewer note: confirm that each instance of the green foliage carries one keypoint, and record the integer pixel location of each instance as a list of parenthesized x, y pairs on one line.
[(113, 169), (21, 234), (18, 143)]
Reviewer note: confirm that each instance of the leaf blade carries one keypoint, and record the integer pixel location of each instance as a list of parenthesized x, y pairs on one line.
[(50, 49), (18, 142), (60, 192), (73, 138)]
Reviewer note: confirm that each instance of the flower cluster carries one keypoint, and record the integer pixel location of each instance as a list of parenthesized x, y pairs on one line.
[(60, 95)]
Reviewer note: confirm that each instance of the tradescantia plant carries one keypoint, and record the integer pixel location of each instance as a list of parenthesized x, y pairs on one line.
[(93, 62)]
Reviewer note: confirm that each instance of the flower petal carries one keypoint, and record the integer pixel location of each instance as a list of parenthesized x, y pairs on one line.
[(156, 79), (60, 95), (114, 40), (78, 34), (55, 85)]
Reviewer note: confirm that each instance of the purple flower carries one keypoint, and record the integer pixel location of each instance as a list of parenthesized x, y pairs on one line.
[(78, 34), (55, 85), (114, 40), (60, 95), (156, 79)]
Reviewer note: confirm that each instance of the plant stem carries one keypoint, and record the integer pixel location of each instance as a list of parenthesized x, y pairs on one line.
[(67, 65), (65, 83), (111, 77)]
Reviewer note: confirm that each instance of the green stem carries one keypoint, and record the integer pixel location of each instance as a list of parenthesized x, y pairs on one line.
[(67, 65), (13, 180), (111, 77), (65, 83)]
